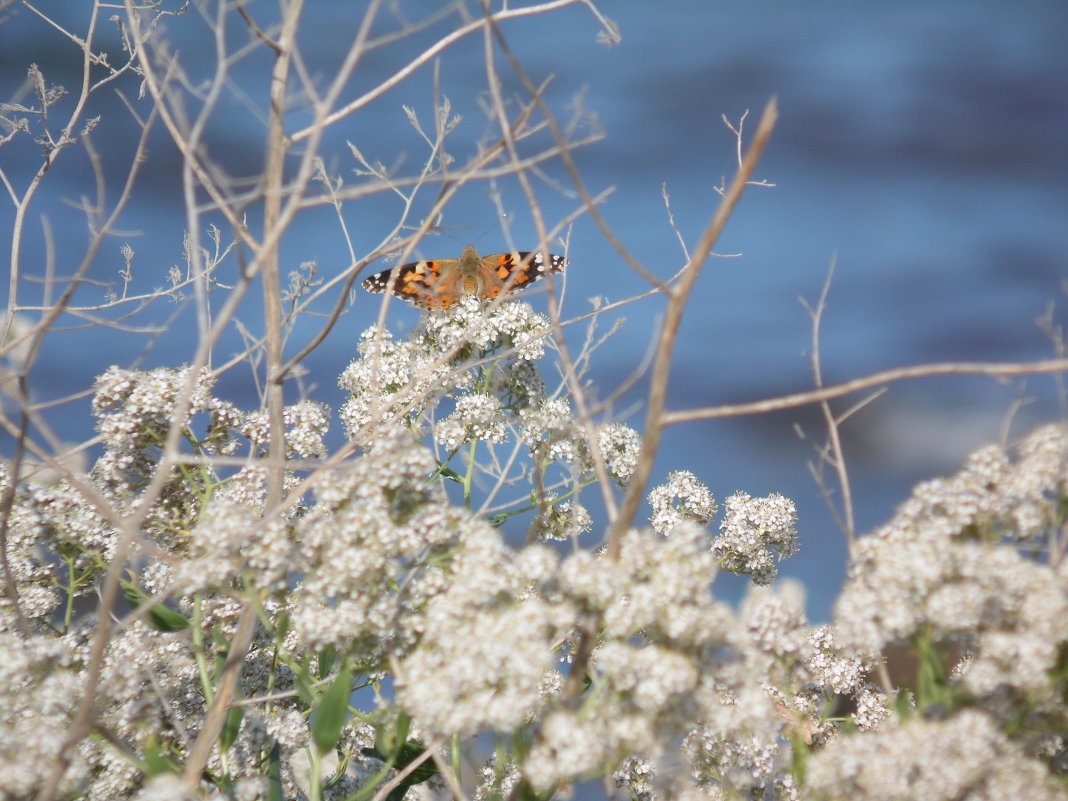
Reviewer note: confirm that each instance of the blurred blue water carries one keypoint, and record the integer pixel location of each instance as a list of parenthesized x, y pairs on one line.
[(922, 147)]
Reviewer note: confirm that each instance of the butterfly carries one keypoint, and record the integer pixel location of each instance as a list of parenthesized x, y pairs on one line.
[(439, 283)]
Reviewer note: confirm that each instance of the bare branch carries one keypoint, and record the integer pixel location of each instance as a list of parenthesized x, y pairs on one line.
[(995, 369), (656, 417)]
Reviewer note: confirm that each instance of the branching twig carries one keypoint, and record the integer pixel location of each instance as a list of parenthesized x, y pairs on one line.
[(835, 454)]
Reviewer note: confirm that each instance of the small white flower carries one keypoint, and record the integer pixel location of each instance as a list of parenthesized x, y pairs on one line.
[(683, 497), (477, 418), (551, 429), (620, 447), (393, 379), (565, 520)]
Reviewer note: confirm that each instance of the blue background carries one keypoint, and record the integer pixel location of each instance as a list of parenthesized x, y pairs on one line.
[(922, 147)]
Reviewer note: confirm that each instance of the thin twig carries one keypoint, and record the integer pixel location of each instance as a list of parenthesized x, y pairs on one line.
[(996, 369), (837, 454), (656, 417)]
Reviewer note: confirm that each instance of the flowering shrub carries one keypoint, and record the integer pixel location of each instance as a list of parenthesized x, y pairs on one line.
[(482, 593), (397, 622)]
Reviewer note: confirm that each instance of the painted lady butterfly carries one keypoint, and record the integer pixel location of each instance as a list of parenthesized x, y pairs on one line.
[(440, 283)]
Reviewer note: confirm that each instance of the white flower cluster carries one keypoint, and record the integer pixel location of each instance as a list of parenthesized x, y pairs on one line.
[(519, 384), (657, 586), (231, 543), (487, 642), (497, 782), (53, 519), (962, 757), (621, 446), (373, 522), (839, 673), (804, 669), (306, 423), (683, 497), (1033, 487), (39, 690), (671, 661), (211, 523), (755, 533), (686, 698), (393, 380), (776, 623), (135, 410), (635, 774), (934, 571), (1005, 611), (551, 432), (937, 576), (477, 418), (564, 520), (512, 324)]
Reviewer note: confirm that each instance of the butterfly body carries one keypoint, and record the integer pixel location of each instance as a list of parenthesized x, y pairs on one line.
[(439, 283)]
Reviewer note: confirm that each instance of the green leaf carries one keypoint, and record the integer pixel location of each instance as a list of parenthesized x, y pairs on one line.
[(332, 711), (222, 645), (387, 739), (274, 775), (222, 650), (231, 727), (339, 773), (411, 751), (281, 627), (326, 662), (156, 760), (159, 616), (305, 682), (447, 472), (392, 747)]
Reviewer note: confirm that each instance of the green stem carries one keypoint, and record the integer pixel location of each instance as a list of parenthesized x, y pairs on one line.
[(316, 779), (68, 612), (198, 651), (500, 517), (455, 757), (469, 475)]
